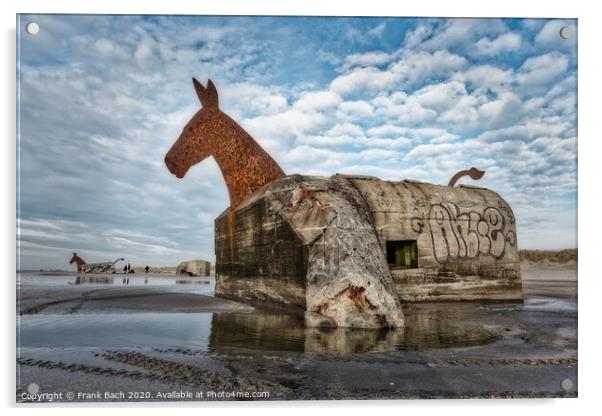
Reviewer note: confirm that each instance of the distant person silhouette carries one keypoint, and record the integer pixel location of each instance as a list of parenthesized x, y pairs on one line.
[(125, 269), (146, 269)]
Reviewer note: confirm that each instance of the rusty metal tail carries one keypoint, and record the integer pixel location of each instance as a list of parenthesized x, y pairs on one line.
[(474, 173)]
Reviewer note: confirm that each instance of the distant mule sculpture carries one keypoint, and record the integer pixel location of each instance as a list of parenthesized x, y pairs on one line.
[(80, 262), (104, 267), (210, 132)]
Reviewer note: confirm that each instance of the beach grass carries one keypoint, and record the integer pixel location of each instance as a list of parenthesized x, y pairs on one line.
[(553, 256)]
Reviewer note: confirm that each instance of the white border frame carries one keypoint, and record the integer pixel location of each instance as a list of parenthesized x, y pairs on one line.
[(589, 74)]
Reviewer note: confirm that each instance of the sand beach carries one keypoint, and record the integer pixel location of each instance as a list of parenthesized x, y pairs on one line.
[(163, 338)]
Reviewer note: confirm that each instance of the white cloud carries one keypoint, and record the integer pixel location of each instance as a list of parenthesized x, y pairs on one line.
[(503, 43), (357, 108), (440, 97), (109, 49), (528, 131), (347, 129), (388, 143), (455, 32), (502, 112), (444, 138), (415, 67), (379, 154), (537, 72), (366, 59), (362, 80), (282, 126), (377, 31), (325, 140), (317, 101), (486, 76), (430, 150), (408, 68), (414, 39), (246, 98), (409, 112), (387, 130)]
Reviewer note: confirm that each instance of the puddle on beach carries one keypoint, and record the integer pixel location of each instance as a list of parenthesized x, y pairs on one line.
[(425, 329), (535, 304), (427, 326), (221, 332)]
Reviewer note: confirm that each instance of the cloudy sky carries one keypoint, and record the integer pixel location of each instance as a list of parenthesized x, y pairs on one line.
[(102, 98)]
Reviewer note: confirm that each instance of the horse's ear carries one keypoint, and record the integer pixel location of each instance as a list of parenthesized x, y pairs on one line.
[(207, 96), (200, 90), (212, 99)]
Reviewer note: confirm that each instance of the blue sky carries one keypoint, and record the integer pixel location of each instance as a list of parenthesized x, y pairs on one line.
[(102, 98)]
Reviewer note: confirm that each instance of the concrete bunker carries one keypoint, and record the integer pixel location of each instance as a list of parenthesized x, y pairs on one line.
[(299, 235), (193, 268), (345, 250), (307, 244), (449, 243)]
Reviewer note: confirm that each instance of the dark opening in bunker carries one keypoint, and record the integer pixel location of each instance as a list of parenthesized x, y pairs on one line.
[(402, 254)]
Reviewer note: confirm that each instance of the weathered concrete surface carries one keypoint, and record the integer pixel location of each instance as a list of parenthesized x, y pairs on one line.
[(466, 239), (308, 243), (194, 268), (320, 245)]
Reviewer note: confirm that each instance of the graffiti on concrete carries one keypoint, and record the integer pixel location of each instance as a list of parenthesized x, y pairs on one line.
[(506, 210), (465, 234)]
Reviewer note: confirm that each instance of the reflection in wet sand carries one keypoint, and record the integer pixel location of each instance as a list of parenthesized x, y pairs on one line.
[(425, 329), (256, 331), (231, 332), (93, 280), (192, 281)]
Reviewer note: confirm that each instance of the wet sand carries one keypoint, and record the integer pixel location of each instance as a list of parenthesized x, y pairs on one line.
[(550, 279), (500, 350), (124, 299)]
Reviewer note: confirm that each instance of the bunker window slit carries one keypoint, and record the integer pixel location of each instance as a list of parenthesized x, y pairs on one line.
[(402, 254)]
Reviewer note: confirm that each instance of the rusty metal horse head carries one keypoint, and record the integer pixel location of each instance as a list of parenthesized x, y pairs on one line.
[(210, 132)]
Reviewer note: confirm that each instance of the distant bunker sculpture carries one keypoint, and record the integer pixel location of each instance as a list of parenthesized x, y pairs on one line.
[(346, 250), (194, 268)]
